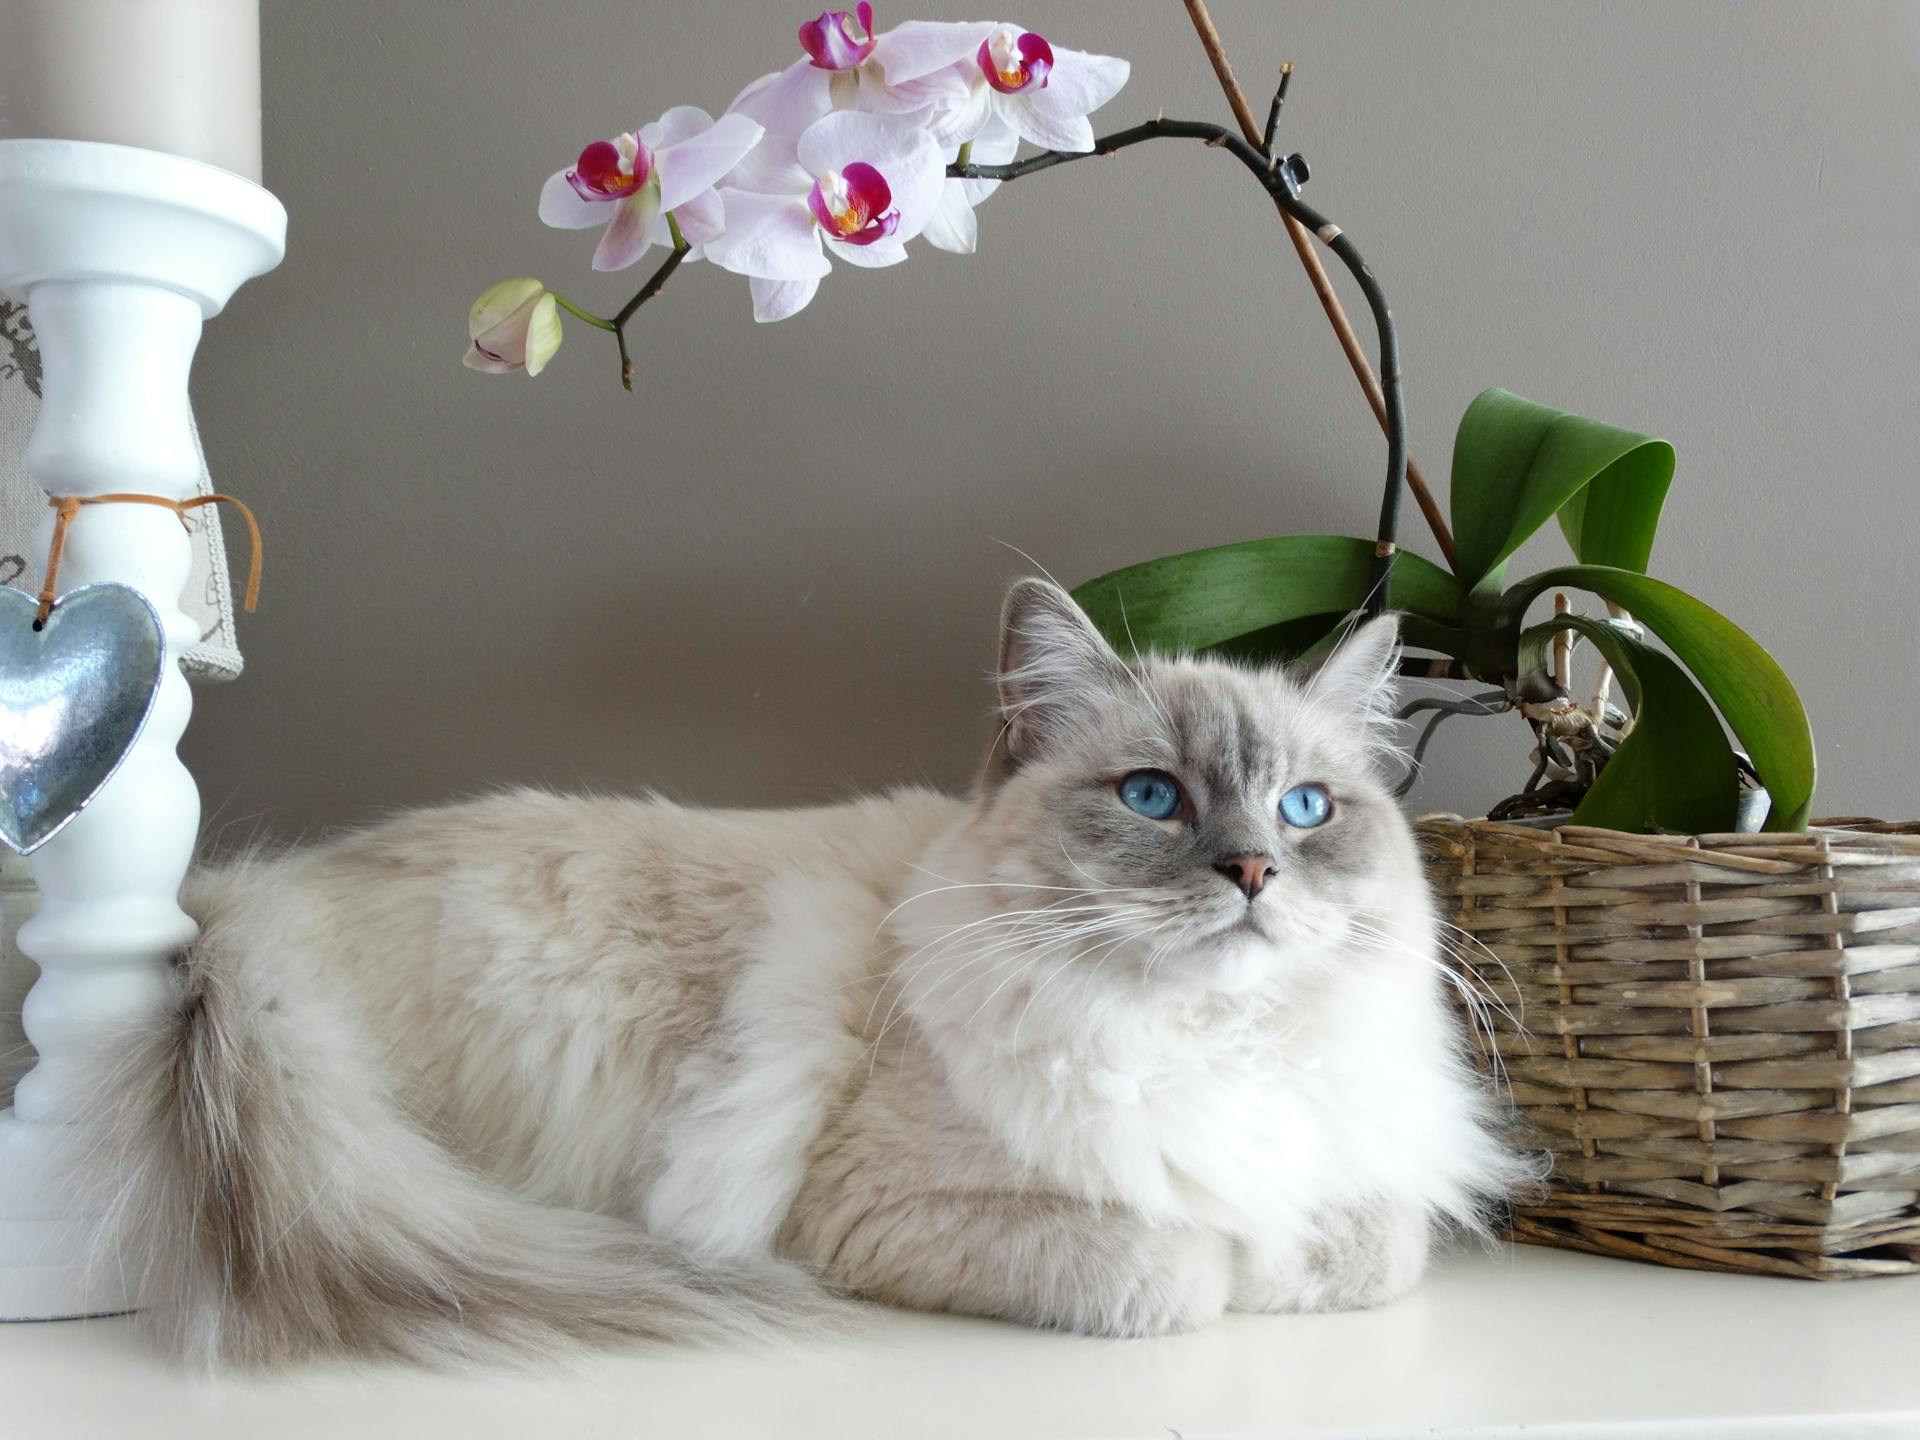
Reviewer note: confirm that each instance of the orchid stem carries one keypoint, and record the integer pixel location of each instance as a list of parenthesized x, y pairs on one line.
[(646, 292), (966, 154), (599, 322), (618, 325), (652, 287), (626, 360), (1281, 179), (1273, 111), (1336, 314)]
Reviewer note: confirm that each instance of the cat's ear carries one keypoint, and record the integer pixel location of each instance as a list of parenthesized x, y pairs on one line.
[(1362, 675), (1053, 665)]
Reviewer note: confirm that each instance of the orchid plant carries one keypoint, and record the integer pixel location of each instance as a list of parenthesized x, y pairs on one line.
[(1662, 764), (864, 142), (868, 141)]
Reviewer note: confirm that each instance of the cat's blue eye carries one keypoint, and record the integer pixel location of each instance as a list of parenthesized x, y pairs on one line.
[(1152, 793), (1306, 806)]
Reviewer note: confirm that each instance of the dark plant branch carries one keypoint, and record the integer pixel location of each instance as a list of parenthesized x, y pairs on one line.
[(617, 322), (1273, 110), (1282, 180), (654, 284), (1316, 272)]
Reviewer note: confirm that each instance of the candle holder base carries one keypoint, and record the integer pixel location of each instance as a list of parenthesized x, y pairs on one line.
[(52, 1277), (121, 255)]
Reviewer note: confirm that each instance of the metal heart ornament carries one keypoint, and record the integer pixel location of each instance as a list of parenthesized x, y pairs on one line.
[(74, 697)]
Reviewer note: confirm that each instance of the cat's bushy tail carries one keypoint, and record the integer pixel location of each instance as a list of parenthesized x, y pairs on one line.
[(275, 1203)]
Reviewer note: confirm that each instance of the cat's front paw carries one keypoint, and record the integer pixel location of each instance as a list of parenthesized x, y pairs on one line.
[(1355, 1258), (1167, 1281)]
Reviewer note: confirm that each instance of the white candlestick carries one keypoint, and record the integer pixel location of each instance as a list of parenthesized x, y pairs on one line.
[(181, 76), (120, 255)]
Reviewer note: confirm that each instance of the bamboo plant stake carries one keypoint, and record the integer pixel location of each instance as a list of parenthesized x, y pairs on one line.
[(1310, 259)]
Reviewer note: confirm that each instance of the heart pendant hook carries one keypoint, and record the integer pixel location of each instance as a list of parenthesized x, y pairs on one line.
[(65, 507)]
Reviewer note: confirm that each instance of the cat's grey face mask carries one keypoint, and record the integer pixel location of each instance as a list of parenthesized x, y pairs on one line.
[(1192, 817)]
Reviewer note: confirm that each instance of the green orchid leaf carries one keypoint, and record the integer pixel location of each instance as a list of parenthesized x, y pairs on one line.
[(1674, 771), (1516, 465), (1752, 692), (1288, 641), (1311, 639), (1255, 593)]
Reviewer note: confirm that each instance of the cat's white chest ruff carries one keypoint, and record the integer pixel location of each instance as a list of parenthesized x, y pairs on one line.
[(1176, 1120)]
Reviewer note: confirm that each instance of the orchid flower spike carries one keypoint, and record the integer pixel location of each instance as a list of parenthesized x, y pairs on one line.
[(631, 183), (855, 186), (515, 325)]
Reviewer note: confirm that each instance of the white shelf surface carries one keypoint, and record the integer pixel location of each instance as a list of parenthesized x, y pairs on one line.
[(1528, 1342)]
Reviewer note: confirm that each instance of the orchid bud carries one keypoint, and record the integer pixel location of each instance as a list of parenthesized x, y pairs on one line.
[(513, 326)]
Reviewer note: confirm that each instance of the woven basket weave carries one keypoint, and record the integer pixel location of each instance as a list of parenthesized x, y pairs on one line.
[(1718, 1037)]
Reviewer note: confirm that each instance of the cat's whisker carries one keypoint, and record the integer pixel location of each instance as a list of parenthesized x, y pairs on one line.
[(1036, 960), (1013, 937), (1060, 913), (1052, 975), (1043, 941), (1108, 947), (1057, 908), (1470, 968), (991, 884), (1459, 936), (1067, 855), (1028, 936), (1133, 668), (1465, 977), (1154, 957), (951, 886), (1011, 957), (1482, 949), (1478, 998), (934, 953)]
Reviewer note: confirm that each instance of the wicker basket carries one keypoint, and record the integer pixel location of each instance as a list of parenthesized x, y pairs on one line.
[(1718, 1036)]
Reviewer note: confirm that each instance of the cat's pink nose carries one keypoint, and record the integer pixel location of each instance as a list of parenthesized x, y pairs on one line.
[(1249, 872)]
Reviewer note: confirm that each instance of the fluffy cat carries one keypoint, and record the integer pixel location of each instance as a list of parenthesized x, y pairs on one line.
[(1148, 1028)]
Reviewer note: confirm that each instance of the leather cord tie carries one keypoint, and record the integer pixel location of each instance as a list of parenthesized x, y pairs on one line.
[(67, 506)]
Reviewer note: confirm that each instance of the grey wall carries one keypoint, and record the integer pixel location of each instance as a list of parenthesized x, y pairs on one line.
[(771, 575)]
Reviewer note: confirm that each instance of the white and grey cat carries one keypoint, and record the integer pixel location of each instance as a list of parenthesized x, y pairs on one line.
[(1148, 1028)]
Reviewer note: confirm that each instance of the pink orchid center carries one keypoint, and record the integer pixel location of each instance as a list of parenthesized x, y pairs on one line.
[(611, 169), (1015, 60), (851, 205), (839, 40)]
